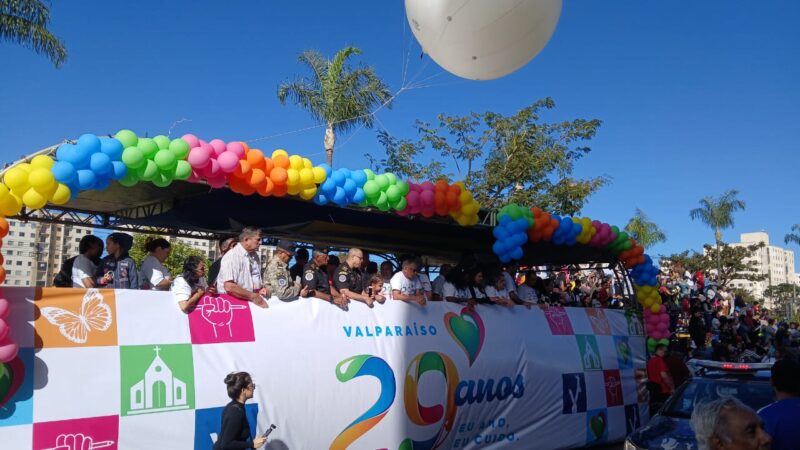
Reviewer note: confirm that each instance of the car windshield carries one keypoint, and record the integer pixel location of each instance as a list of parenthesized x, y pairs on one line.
[(753, 394)]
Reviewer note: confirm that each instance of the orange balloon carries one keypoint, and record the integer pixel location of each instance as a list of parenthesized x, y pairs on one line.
[(256, 177), (278, 175), (256, 159), (2, 275), (2, 260), (243, 170), (281, 161), (246, 147), (268, 165), (266, 188), (440, 199), (3, 227), (280, 190), (441, 210), (240, 186), (441, 185), (452, 200)]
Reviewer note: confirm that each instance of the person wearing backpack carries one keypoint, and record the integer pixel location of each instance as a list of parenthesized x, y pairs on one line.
[(118, 270), (83, 267)]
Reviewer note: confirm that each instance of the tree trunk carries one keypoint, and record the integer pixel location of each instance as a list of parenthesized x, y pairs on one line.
[(718, 237), (330, 141)]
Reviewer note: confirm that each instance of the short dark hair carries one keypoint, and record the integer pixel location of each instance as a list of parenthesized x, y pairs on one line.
[(236, 382), (89, 241), (301, 253), (151, 244), (659, 346), (786, 376)]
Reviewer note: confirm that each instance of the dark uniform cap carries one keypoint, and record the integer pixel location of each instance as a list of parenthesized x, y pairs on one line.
[(286, 246)]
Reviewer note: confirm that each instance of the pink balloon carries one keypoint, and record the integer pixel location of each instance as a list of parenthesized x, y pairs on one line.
[(191, 139), (4, 307), (8, 349), (414, 187), (199, 157), (219, 146), (194, 177), (218, 181), (663, 309), (428, 186), (228, 161), (237, 148), (4, 329), (428, 198), (212, 170), (412, 199)]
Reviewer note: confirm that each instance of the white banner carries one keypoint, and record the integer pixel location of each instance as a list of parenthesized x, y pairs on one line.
[(129, 370)]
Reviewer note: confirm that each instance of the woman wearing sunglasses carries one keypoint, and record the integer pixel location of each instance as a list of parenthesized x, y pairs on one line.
[(235, 433)]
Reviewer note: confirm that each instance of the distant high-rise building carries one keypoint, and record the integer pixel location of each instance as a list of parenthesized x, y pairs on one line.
[(776, 263)]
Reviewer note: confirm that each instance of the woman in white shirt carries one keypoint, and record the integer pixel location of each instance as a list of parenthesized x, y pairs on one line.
[(83, 266), (154, 276), (189, 287), (497, 291)]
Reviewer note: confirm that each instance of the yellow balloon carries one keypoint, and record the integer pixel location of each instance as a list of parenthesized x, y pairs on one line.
[(16, 179), (307, 163), (4, 192), (319, 175), (11, 205), (465, 197), (655, 308), (279, 151), (293, 177), (294, 189), (25, 166), (296, 162), (308, 194), (41, 178), (47, 191), (33, 199), (306, 176), (42, 162), (61, 194)]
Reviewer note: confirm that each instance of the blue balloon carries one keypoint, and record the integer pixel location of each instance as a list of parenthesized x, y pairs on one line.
[(100, 164), (522, 239), (505, 219), (119, 170), (320, 199), (81, 157), (505, 258), (345, 171), (112, 148), (340, 198), (65, 152), (328, 187), (359, 177), (359, 196), (64, 172), (74, 188), (338, 178), (326, 168), (89, 143), (86, 179), (350, 187), (101, 182), (517, 253), (500, 233), (499, 248)]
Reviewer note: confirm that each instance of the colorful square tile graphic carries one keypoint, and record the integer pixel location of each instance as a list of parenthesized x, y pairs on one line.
[(590, 352), (221, 319), (208, 422), (558, 320), (156, 378), (77, 434), (75, 318)]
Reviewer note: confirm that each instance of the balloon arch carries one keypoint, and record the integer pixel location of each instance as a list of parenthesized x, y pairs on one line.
[(92, 163)]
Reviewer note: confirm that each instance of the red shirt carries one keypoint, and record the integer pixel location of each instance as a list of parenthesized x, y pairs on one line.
[(655, 366)]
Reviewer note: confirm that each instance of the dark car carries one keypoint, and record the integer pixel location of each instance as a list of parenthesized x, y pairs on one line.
[(669, 429)]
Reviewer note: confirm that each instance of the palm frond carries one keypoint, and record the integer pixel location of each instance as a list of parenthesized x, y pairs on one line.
[(794, 236), (33, 35)]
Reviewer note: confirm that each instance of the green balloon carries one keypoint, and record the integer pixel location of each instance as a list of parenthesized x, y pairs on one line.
[(383, 181), (130, 179), (371, 188), (127, 138), (148, 171), (133, 158), (382, 199), (179, 148), (162, 179), (404, 188), (165, 160), (393, 194), (148, 147), (161, 141), (370, 174), (391, 177), (401, 204), (183, 170)]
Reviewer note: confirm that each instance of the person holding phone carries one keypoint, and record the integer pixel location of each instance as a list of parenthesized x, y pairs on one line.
[(235, 431)]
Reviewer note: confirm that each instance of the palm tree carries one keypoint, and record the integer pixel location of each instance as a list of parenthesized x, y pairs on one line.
[(336, 95), (646, 232), (717, 213), (794, 236), (25, 22)]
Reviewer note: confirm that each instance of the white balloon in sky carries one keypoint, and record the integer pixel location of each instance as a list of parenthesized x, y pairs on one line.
[(482, 39)]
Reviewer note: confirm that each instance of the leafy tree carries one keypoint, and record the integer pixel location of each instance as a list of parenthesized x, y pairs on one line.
[(402, 157), (178, 253), (645, 231), (717, 213), (518, 158), (794, 236), (24, 22), (737, 262), (784, 296), (335, 94)]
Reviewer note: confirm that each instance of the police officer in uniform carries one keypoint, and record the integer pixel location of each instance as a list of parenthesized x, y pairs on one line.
[(349, 280), (315, 277), (277, 275)]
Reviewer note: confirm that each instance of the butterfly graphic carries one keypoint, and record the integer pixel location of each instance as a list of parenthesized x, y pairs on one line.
[(94, 315)]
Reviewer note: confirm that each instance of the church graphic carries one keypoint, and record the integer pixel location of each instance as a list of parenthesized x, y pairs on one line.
[(156, 379)]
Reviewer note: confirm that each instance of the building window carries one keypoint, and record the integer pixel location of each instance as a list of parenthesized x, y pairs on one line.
[(19, 263), (21, 234), (16, 282), (11, 233), (29, 264)]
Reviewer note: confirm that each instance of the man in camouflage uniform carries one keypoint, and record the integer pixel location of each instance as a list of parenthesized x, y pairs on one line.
[(277, 275)]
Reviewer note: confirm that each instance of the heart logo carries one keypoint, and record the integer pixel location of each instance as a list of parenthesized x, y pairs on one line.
[(467, 330), (12, 374), (598, 425)]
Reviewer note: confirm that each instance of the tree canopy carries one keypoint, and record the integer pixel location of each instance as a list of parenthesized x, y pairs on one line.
[(178, 254), (736, 261), (517, 158), (24, 22), (794, 236), (646, 232)]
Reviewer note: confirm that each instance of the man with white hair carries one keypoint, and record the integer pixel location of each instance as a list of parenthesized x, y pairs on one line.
[(728, 424)]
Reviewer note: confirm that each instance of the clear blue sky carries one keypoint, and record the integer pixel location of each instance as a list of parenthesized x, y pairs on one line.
[(696, 97)]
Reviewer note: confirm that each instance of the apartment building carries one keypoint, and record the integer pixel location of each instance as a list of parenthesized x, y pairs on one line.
[(776, 263)]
